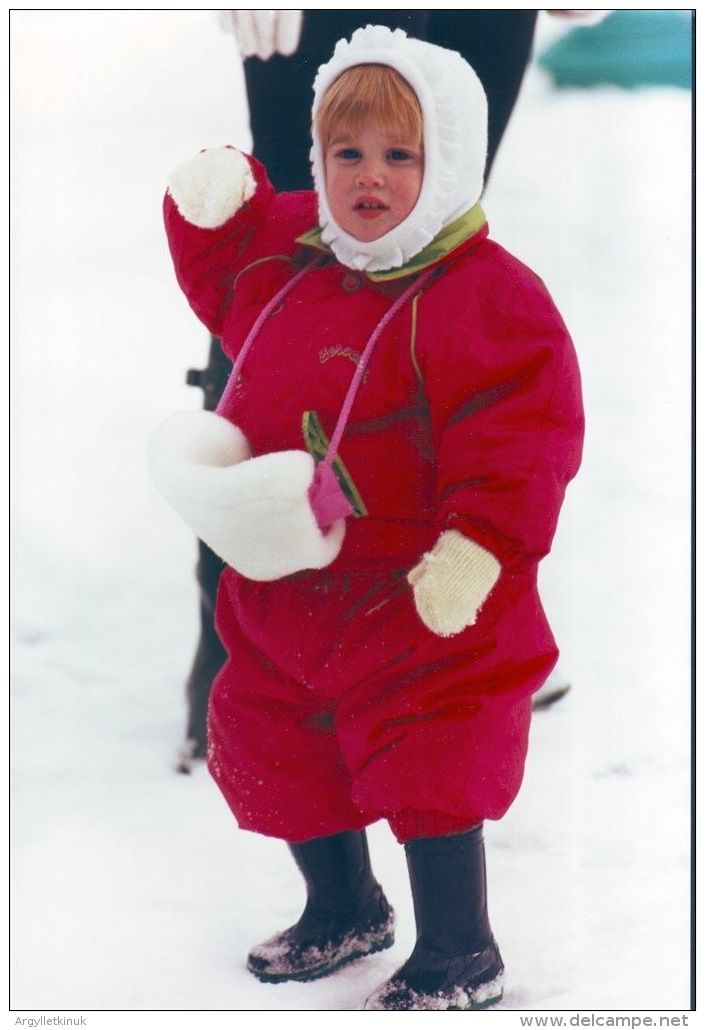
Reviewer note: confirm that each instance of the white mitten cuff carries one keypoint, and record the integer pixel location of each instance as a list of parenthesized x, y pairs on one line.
[(253, 512), (452, 582), (209, 188)]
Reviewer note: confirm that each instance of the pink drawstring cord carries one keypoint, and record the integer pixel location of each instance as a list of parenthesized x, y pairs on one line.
[(365, 360), (264, 314), (328, 501)]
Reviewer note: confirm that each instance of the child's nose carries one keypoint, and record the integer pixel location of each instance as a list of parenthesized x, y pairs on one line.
[(369, 175)]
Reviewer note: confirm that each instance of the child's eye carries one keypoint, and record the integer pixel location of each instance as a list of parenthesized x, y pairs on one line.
[(348, 154), (397, 154)]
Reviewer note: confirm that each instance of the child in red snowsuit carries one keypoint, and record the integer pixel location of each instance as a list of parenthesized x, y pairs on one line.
[(379, 609)]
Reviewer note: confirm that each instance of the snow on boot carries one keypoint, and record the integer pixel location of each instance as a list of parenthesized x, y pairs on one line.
[(346, 916), (455, 963)]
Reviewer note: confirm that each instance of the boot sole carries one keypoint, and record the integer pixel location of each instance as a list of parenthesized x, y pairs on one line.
[(476, 1006), (479, 1007), (491, 992), (320, 971)]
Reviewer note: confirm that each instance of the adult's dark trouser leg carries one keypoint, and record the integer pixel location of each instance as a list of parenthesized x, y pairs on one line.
[(210, 653), (346, 916), (455, 963), (498, 46)]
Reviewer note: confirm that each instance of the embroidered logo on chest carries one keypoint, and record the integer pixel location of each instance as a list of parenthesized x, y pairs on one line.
[(338, 351)]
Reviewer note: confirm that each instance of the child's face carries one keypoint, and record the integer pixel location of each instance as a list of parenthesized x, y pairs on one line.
[(373, 180)]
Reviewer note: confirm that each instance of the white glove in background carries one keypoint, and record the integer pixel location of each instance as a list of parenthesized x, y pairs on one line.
[(264, 33), (586, 18)]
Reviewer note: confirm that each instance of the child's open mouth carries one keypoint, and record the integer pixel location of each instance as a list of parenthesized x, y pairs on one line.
[(369, 207)]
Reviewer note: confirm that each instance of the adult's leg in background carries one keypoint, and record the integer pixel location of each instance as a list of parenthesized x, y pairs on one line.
[(498, 46), (210, 654)]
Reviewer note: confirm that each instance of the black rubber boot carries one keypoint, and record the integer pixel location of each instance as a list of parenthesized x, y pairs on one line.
[(346, 916), (455, 963)]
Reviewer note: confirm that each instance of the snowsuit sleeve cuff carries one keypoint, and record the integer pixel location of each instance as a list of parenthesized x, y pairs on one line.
[(452, 582)]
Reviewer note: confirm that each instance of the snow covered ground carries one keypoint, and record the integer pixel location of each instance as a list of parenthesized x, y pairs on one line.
[(132, 889)]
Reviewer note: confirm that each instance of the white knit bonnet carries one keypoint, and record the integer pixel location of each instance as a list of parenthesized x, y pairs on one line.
[(454, 109)]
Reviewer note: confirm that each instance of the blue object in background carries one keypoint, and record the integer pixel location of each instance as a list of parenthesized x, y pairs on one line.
[(629, 48)]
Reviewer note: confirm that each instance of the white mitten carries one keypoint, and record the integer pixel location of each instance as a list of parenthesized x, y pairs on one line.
[(209, 188), (263, 33), (253, 512), (452, 582)]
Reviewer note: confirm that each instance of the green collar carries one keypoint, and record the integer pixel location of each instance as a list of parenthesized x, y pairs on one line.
[(447, 240)]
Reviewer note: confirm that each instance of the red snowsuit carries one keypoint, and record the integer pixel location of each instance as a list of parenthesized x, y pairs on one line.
[(337, 706)]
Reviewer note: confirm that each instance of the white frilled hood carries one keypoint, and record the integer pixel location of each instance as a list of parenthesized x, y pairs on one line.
[(454, 108)]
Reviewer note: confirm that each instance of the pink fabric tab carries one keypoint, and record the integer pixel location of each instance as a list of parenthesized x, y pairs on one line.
[(328, 502)]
